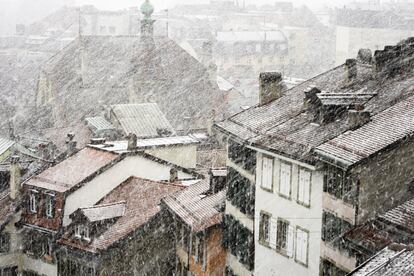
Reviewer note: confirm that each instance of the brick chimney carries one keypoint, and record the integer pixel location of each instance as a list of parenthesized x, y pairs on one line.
[(395, 59), (132, 141), (15, 175), (271, 87), (358, 117), (351, 69), (364, 56)]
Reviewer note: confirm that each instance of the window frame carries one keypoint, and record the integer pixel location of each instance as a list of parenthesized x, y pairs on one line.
[(280, 249), (289, 197), (262, 240), (78, 231), (307, 246), (49, 205), (33, 201), (298, 200)]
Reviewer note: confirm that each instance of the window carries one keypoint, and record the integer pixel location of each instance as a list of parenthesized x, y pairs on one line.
[(8, 271), (33, 201), (285, 179), (85, 233), (264, 228), (304, 187), (284, 237), (302, 240), (50, 205), (4, 242), (78, 231), (267, 173), (200, 250)]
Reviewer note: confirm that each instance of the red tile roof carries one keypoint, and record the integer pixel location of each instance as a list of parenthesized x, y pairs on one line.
[(402, 215), (195, 208), (73, 170), (142, 199)]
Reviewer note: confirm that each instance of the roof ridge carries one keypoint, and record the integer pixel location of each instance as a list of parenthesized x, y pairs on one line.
[(123, 202)]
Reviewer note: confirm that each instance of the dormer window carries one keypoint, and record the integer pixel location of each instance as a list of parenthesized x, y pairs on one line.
[(82, 232), (33, 201)]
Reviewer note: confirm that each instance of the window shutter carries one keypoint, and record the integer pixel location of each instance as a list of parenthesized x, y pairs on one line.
[(307, 183), (264, 172), (302, 238), (273, 233), (285, 179), (289, 249), (269, 173)]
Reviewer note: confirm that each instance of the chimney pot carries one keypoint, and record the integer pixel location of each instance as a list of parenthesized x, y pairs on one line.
[(15, 175), (132, 141), (271, 87)]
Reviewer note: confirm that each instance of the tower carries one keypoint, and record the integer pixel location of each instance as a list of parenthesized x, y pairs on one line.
[(147, 23)]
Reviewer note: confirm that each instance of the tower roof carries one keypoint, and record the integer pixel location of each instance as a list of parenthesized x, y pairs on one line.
[(147, 9)]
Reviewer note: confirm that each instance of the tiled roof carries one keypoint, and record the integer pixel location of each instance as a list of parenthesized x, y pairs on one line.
[(99, 123), (142, 198), (141, 119), (104, 211), (5, 144), (73, 170), (388, 262), (402, 215), (385, 128), (122, 146), (196, 208), (284, 126)]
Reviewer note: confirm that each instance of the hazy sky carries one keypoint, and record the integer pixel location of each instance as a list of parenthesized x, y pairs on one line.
[(161, 4)]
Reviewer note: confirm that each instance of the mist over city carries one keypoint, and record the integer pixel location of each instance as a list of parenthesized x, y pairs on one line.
[(211, 137)]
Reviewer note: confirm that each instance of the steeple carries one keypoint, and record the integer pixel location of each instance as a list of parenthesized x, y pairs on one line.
[(147, 24)]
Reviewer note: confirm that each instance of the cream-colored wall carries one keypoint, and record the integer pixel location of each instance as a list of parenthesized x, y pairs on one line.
[(93, 191), (350, 40), (4, 155), (267, 260), (184, 156)]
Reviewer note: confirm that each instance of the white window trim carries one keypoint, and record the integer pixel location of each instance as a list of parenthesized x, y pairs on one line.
[(49, 205), (78, 230), (85, 234), (32, 202)]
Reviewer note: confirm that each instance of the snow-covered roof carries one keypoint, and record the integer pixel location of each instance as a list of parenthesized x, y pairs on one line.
[(236, 36)]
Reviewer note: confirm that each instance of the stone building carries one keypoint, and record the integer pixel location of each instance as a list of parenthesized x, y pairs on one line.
[(317, 150), (198, 231)]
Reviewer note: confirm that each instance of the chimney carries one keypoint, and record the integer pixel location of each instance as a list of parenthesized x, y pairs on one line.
[(70, 145), (351, 69), (132, 141), (311, 98), (15, 174), (358, 118), (364, 56), (271, 87), (173, 175), (147, 24)]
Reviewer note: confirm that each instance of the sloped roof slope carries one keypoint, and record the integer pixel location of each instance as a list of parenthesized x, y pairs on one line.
[(144, 119)]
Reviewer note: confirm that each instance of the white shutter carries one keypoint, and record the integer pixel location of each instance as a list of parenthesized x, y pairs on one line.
[(289, 247), (273, 233), (306, 190), (304, 186), (285, 171), (302, 238), (264, 170), (269, 173)]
